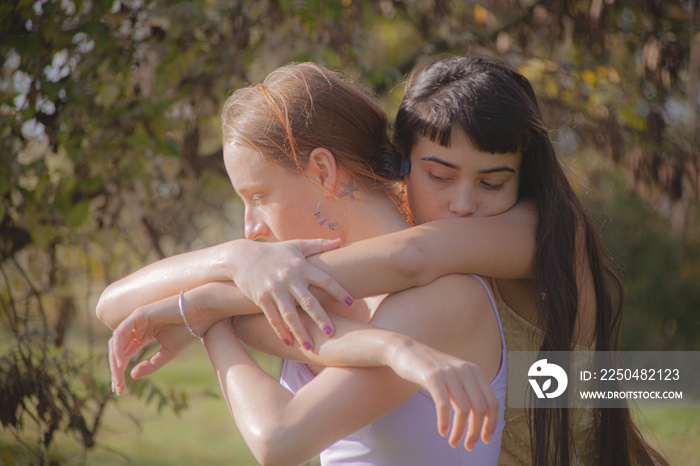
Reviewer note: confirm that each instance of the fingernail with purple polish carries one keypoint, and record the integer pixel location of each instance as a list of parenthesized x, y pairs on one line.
[(287, 342), (307, 345), (348, 301), (328, 331)]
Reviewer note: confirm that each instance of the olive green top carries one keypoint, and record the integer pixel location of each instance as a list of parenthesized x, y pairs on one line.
[(521, 335)]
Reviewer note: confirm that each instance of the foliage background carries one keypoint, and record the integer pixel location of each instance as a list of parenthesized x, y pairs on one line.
[(110, 158)]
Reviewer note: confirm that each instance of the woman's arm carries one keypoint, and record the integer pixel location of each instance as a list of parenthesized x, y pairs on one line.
[(169, 276), (501, 246), (278, 425), (162, 319), (285, 429), (456, 386), (453, 383), (276, 277)]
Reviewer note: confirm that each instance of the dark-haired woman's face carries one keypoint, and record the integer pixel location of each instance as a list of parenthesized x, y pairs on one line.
[(459, 180)]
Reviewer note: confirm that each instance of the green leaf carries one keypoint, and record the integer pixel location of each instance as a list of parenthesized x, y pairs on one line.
[(78, 214), (42, 234), (139, 138), (8, 458)]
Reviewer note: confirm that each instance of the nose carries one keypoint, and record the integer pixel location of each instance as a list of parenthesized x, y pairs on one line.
[(255, 227), (464, 202)]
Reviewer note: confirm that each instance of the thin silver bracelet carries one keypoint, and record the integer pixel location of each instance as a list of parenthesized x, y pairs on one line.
[(184, 319)]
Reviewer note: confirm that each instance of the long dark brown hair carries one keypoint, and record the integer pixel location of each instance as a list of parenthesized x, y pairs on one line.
[(498, 110)]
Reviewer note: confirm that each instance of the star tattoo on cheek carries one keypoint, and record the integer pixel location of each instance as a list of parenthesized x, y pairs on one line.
[(348, 190)]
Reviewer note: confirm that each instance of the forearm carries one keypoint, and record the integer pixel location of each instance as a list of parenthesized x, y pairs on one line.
[(354, 344), (202, 306), (161, 279), (501, 246), (277, 428), (254, 399)]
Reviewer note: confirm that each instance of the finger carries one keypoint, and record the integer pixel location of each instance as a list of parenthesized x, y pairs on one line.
[(309, 247), (328, 284), (117, 342), (459, 425), (491, 420), (290, 315), (153, 364), (313, 308), (132, 347), (476, 419), (275, 320), (117, 358), (443, 408), (112, 364), (460, 404), (116, 370), (125, 342), (132, 343)]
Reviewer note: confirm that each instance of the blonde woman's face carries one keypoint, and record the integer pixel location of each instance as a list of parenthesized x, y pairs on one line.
[(279, 203), (459, 180)]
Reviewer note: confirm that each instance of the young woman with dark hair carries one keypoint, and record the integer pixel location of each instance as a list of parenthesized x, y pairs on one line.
[(574, 299)]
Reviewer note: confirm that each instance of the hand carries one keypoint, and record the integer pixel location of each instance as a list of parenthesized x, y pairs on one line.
[(455, 385), (159, 321), (276, 277)]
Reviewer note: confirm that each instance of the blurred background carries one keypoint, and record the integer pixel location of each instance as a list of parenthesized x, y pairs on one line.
[(110, 158)]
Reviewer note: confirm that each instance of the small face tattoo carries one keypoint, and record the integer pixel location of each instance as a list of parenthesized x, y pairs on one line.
[(348, 190)]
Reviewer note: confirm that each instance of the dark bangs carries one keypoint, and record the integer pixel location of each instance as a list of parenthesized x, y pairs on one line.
[(479, 98)]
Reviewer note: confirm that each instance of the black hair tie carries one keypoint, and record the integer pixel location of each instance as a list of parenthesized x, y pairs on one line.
[(395, 164)]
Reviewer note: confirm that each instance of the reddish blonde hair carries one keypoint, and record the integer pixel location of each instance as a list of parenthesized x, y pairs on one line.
[(303, 106)]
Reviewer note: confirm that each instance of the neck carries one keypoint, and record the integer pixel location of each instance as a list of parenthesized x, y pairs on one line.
[(369, 216)]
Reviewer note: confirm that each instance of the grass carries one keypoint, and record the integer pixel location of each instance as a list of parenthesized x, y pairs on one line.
[(202, 434), (675, 432), (135, 433)]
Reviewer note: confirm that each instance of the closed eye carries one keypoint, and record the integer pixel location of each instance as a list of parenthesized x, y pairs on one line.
[(257, 199), (493, 187), (435, 177)]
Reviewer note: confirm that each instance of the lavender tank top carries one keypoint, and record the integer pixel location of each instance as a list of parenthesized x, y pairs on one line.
[(408, 435)]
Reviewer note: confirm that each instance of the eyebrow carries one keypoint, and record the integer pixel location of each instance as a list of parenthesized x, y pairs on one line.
[(246, 189), (434, 159)]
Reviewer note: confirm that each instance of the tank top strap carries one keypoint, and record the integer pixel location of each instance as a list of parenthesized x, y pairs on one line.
[(494, 306)]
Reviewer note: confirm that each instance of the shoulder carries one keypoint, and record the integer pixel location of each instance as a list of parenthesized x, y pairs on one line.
[(450, 304), (455, 289), (453, 314), (446, 292)]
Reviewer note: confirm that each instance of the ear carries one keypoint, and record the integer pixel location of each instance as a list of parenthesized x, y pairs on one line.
[(322, 168)]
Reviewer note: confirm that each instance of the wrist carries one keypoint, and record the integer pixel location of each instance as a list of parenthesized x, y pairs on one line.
[(198, 316), (185, 320), (395, 346), (225, 259)]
